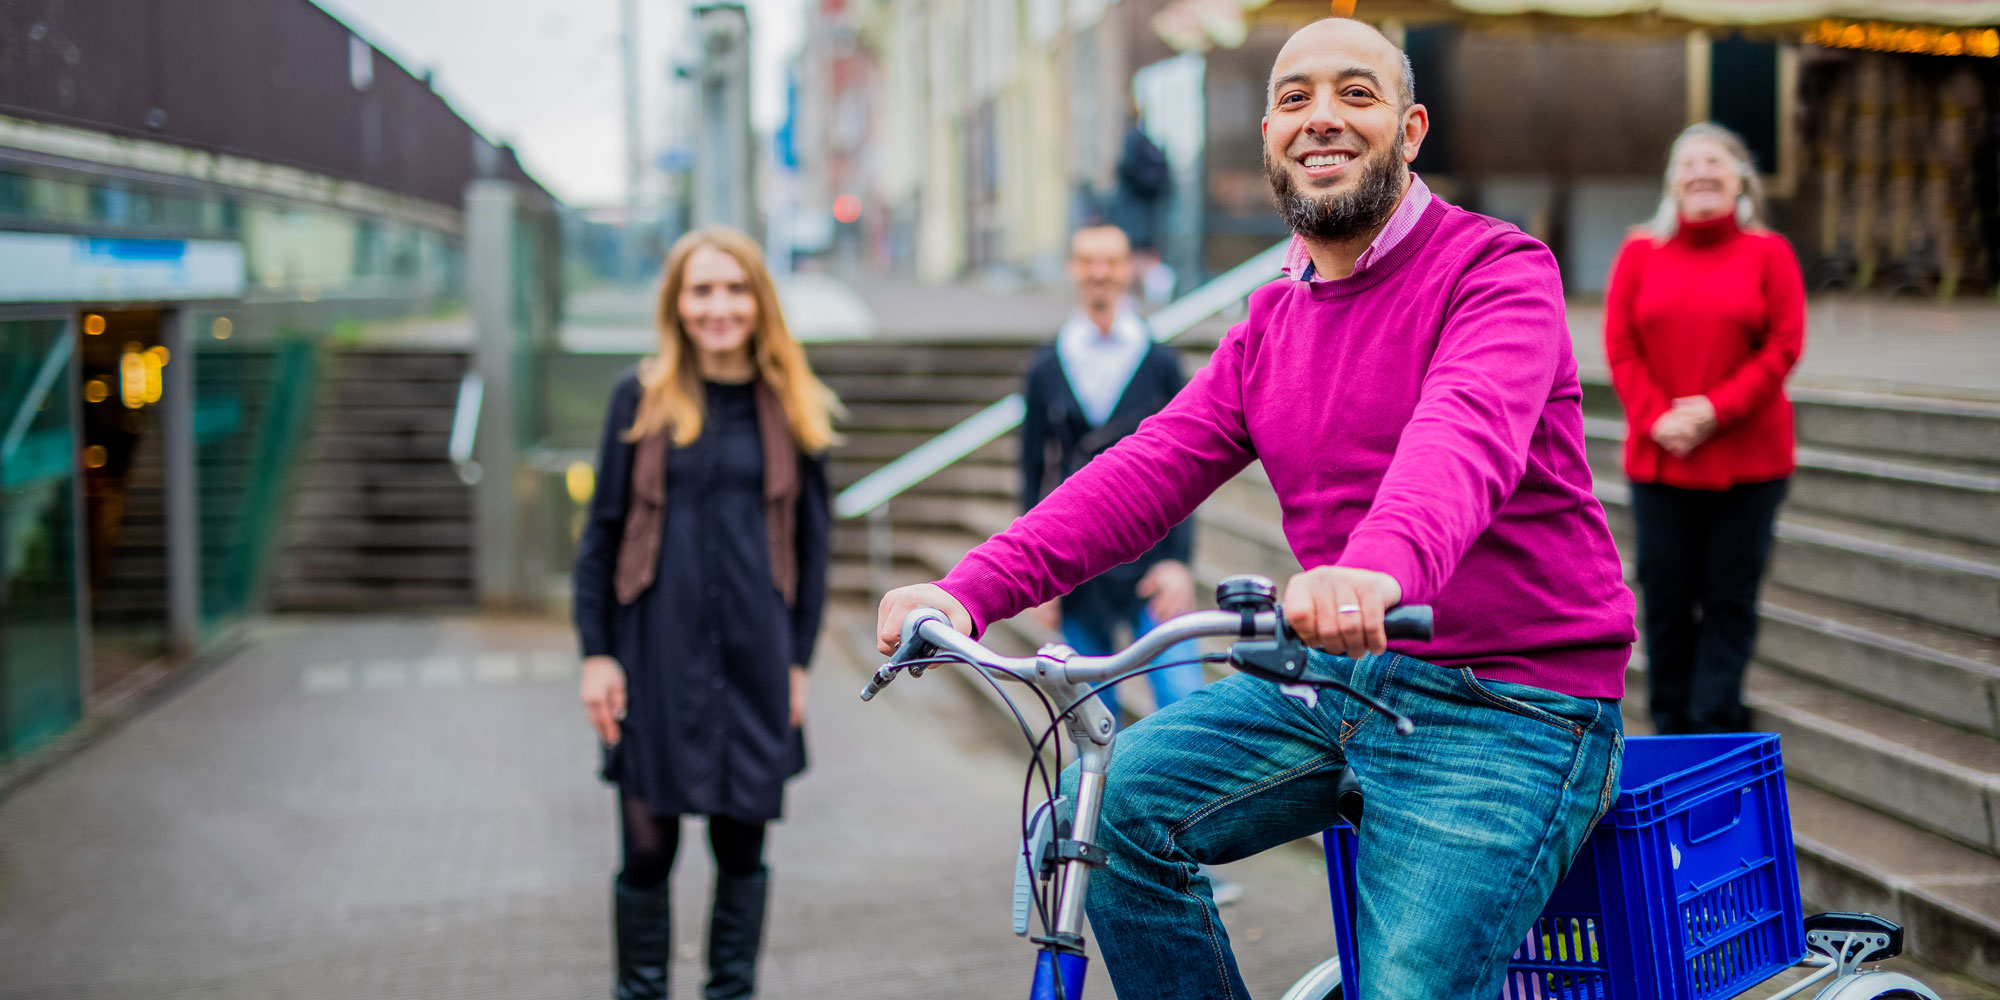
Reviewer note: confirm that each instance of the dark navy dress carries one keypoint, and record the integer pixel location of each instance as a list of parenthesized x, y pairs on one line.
[(708, 648)]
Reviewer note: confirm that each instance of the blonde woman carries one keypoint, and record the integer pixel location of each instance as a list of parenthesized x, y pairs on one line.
[(1703, 321), (700, 579)]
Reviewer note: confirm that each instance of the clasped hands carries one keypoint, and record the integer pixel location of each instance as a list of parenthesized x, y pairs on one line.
[(1684, 427)]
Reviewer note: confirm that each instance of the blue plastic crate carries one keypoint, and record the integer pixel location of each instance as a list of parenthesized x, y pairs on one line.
[(1687, 890)]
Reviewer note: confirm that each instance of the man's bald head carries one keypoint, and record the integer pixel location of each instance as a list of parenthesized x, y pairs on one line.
[(1346, 30)]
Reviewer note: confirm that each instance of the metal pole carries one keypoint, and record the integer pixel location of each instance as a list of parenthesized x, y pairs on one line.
[(183, 524), (79, 511), (497, 519), (628, 17)]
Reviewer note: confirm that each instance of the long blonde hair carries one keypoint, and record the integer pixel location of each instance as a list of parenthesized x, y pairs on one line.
[(1749, 203), (671, 395)]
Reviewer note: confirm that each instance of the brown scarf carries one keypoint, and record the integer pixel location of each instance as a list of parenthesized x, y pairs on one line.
[(646, 505)]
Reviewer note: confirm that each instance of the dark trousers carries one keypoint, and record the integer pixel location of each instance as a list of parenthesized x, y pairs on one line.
[(1702, 555)]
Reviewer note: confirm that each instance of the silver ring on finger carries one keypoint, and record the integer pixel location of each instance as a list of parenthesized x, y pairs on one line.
[(1349, 609)]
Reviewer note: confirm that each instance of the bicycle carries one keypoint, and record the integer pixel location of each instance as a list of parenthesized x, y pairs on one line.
[(1052, 870)]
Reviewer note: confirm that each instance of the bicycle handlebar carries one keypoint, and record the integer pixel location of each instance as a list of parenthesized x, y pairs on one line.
[(927, 632)]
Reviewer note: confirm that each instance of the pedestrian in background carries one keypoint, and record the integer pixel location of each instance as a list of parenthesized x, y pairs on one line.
[(1144, 177), (1704, 319), (1085, 392), (700, 579)]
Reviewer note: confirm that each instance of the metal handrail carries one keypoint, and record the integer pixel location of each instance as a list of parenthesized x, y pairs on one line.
[(975, 432), (465, 428), (31, 404)]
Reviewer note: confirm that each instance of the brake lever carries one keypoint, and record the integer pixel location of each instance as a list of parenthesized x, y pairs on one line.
[(1282, 660)]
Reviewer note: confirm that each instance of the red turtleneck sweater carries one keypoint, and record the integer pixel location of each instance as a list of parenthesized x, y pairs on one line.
[(1718, 312)]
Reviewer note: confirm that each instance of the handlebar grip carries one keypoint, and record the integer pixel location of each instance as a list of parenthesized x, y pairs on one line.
[(912, 646), (1409, 621)]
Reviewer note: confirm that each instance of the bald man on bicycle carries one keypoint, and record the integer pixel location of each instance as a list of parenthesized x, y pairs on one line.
[(1410, 391)]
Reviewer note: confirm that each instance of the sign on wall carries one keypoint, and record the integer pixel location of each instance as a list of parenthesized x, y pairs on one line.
[(51, 267)]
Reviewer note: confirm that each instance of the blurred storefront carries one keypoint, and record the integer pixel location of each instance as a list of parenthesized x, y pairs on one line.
[(191, 213), (1878, 138), (987, 130)]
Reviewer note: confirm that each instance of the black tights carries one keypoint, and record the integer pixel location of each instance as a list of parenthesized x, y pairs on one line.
[(652, 841)]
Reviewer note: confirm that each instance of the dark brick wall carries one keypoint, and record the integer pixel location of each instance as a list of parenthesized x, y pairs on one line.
[(264, 79)]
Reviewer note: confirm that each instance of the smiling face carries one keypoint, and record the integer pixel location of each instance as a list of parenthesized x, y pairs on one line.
[(717, 306), (1100, 263), (1340, 130), (1706, 179)]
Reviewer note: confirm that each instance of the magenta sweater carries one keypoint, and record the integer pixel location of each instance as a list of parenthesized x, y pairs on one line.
[(1422, 419)]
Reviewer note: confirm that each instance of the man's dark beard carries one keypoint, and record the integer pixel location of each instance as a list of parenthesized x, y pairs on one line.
[(1336, 217)]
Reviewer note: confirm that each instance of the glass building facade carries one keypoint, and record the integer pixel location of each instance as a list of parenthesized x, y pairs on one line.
[(93, 417)]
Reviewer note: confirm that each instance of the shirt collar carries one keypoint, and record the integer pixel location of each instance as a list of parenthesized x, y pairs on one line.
[(1126, 329), (1298, 256)]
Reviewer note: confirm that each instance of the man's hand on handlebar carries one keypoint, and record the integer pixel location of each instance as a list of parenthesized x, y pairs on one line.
[(897, 605), (1339, 609)]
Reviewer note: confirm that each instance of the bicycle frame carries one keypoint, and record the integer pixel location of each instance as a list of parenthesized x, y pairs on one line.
[(1066, 678)]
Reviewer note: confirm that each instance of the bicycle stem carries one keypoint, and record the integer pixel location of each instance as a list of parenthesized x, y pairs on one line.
[(1092, 762)]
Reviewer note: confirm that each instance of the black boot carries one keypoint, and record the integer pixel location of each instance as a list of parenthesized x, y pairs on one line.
[(643, 920), (735, 935)]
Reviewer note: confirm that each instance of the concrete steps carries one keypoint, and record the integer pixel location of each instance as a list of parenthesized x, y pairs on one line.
[(379, 518), (1952, 499), (1878, 660)]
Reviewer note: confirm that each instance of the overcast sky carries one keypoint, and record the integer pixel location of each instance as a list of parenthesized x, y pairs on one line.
[(545, 76)]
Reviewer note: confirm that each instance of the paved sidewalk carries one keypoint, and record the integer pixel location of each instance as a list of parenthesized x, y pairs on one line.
[(357, 808)]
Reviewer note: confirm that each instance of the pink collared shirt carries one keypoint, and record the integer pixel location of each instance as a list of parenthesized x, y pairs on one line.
[(1298, 257)]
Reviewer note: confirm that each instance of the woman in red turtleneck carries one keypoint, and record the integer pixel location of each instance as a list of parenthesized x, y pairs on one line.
[(1704, 319)]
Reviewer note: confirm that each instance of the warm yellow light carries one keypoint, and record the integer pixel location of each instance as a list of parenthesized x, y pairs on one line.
[(1915, 39), (93, 324), (221, 328), (132, 379), (309, 293), (582, 482), (95, 391), (155, 384), (94, 456), (161, 351)]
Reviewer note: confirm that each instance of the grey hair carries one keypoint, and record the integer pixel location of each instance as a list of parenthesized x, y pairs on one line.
[(1666, 220)]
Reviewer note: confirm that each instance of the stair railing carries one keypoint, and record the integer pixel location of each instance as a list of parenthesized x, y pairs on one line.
[(873, 493), (38, 391), (870, 495), (465, 428)]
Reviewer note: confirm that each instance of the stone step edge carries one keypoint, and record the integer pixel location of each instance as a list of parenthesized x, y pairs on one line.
[(1824, 459), (1896, 884), (1789, 528), (1944, 402), (1862, 740), (1909, 900), (1863, 635)]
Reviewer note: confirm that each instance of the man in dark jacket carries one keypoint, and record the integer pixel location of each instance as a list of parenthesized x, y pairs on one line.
[(1103, 375)]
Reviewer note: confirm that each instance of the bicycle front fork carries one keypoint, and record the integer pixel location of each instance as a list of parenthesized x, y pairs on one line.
[(1072, 968), (1061, 964)]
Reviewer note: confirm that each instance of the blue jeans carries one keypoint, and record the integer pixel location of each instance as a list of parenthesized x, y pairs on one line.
[(1470, 821), (1170, 684)]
